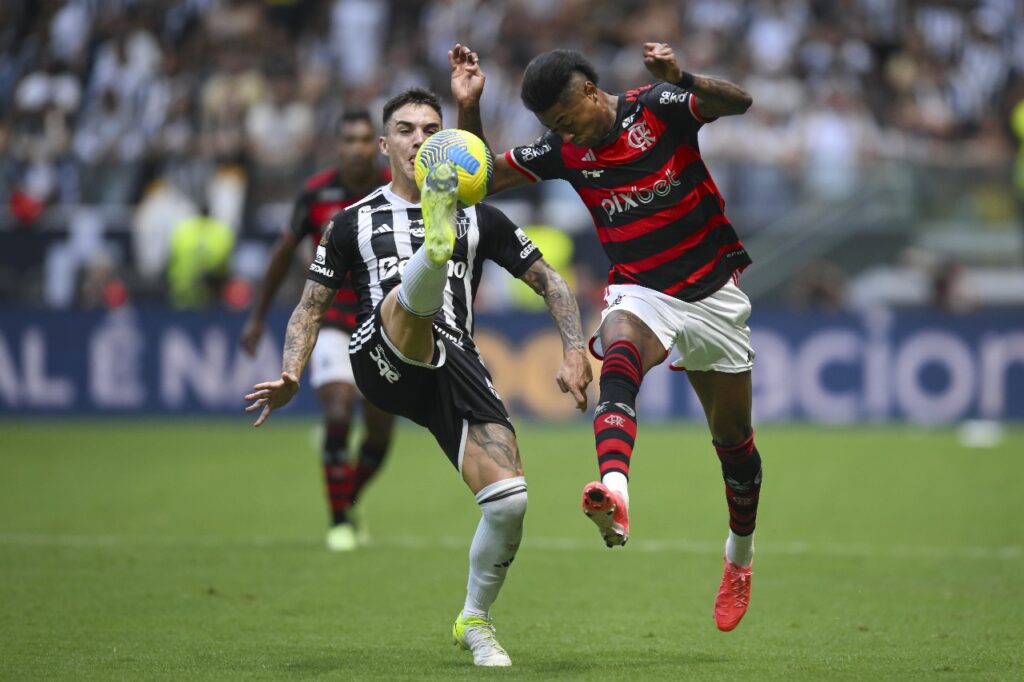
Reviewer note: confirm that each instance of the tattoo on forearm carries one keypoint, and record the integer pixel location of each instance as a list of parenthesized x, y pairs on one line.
[(498, 443), (719, 93), (546, 281), (304, 325)]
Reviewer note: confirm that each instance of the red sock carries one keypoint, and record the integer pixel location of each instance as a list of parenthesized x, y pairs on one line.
[(615, 415)]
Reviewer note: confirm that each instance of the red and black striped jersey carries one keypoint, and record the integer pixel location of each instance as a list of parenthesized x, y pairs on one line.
[(323, 195), (658, 213)]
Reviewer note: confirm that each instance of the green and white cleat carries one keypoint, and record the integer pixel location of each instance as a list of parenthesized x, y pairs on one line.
[(438, 199), (476, 635), (342, 538)]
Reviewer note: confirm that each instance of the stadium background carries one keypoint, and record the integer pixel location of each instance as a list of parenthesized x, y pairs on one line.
[(878, 183)]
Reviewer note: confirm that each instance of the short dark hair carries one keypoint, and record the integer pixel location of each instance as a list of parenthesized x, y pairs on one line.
[(353, 116), (410, 96), (549, 74)]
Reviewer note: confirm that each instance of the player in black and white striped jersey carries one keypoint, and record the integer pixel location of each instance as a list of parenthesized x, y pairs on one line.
[(415, 271)]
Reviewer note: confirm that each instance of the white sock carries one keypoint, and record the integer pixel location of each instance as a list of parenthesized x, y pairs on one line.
[(422, 289), (739, 549), (494, 546), (617, 481)]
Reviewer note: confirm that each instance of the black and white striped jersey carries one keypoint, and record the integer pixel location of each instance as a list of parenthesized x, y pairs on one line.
[(375, 237)]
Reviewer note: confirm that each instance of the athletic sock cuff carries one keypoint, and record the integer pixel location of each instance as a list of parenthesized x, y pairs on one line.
[(501, 489)]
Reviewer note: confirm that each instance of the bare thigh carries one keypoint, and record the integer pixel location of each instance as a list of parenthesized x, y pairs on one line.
[(621, 325), (726, 399), (413, 336), (491, 455)]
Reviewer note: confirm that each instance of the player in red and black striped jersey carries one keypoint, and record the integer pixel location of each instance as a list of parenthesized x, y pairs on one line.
[(635, 161), (325, 194)]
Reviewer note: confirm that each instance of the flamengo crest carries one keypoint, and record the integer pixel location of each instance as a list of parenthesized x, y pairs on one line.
[(640, 137)]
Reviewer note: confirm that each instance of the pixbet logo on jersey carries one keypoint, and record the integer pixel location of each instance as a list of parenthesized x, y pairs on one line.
[(620, 202)]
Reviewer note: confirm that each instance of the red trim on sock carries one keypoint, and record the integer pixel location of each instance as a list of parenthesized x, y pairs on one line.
[(615, 445)]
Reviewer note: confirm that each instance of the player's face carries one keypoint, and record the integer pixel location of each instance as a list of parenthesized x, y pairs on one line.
[(582, 116), (405, 132), (357, 146)]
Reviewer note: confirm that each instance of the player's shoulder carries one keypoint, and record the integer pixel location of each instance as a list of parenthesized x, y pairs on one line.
[(488, 215), (659, 93), (347, 219)]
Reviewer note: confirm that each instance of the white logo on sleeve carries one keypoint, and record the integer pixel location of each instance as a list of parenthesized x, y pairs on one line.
[(321, 255)]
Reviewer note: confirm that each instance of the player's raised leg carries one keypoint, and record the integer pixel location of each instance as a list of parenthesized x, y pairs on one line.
[(726, 399), (408, 310), (493, 471), (630, 349)]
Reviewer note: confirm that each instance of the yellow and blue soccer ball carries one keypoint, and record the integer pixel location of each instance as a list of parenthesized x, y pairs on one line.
[(470, 155)]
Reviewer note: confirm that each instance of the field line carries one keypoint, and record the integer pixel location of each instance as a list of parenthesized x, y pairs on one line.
[(548, 544)]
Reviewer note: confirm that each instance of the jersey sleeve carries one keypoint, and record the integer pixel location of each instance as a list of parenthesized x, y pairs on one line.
[(299, 226), (334, 252), (674, 105), (541, 160), (504, 243)]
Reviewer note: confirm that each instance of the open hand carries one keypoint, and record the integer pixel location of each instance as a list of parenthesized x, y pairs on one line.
[(271, 395), (575, 375), (467, 76), (660, 60)]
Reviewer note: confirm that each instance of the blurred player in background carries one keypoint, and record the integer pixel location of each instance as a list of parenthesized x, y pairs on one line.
[(326, 193), (415, 272), (634, 160)]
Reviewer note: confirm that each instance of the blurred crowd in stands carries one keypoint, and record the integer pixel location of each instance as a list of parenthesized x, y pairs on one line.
[(124, 122)]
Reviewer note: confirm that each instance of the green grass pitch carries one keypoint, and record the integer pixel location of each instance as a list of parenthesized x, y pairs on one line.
[(192, 549)]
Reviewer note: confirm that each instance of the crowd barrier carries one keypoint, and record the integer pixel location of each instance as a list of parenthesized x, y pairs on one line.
[(882, 366)]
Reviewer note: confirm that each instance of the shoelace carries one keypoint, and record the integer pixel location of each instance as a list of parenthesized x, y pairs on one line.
[(489, 633), (736, 585)]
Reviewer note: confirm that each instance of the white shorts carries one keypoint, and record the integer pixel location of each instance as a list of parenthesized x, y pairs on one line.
[(710, 334), (329, 362)]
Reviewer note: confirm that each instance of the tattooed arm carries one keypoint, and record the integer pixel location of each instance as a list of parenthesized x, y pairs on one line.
[(715, 96), (303, 328), (575, 374)]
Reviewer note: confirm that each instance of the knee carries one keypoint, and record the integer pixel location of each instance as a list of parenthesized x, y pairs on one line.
[(732, 433), (507, 512)]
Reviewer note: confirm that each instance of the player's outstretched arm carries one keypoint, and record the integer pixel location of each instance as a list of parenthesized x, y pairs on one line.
[(467, 87), (277, 269), (715, 96), (575, 374), (303, 328)]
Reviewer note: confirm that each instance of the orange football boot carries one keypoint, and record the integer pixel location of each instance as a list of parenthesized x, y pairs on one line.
[(733, 596), (606, 508)]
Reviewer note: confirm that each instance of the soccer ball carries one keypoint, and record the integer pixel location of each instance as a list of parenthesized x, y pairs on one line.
[(471, 157)]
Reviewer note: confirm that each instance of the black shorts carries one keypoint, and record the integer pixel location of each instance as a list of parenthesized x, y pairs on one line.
[(447, 395)]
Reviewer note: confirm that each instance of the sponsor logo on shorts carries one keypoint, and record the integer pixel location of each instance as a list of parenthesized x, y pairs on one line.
[(387, 370)]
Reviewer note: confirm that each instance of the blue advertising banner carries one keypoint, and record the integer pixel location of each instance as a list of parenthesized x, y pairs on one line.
[(913, 366)]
